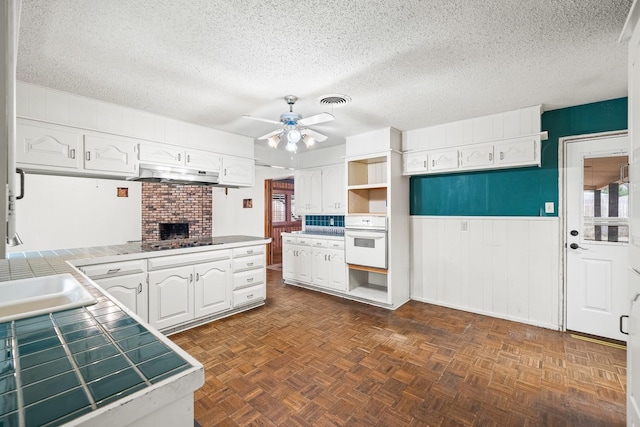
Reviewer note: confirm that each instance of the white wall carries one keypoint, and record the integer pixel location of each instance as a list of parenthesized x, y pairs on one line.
[(60, 212), (502, 267), (54, 106), (229, 217)]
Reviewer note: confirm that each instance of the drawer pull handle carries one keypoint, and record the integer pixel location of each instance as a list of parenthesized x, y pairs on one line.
[(250, 279), (249, 296), (113, 271), (250, 251), (249, 264)]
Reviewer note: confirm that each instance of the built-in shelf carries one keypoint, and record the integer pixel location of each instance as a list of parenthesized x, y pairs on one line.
[(367, 186), (368, 284)]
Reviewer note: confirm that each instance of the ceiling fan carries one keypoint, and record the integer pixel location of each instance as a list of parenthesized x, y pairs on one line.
[(294, 127)]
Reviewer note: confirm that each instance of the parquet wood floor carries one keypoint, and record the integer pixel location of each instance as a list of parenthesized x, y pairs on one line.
[(310, 359)]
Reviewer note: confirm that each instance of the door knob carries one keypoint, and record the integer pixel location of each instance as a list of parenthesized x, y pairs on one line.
[(577, 246), (574, 232)]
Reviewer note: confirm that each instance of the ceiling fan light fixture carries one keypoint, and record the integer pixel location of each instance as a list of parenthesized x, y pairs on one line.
[(293, 136), (291, 146), (308, 140), (274, 141)]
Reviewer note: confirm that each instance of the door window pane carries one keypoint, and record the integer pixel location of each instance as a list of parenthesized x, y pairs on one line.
[(606, 199)]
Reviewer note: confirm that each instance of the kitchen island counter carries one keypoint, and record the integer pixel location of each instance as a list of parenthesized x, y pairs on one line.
[(99, 365)]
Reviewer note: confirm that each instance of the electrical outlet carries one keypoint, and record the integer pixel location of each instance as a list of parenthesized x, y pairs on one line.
[(464, 225), (330, 221), (549, 208)]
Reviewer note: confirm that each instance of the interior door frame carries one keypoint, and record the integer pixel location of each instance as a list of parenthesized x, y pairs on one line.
[(562, 209)]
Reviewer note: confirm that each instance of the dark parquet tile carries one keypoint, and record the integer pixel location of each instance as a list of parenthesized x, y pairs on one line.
[(309, 359)]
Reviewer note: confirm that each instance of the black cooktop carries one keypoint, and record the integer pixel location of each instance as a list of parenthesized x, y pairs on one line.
[(160, 245)]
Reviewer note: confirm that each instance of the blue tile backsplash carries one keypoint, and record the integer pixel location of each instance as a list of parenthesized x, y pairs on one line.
[(72, 362), (324, 220)]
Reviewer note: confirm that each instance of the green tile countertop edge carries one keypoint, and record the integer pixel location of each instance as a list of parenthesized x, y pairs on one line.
[(75, 363)]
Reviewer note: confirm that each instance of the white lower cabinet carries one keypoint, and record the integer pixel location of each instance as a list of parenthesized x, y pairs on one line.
[(171, 298), (183, 288), (296, 261), (249, 276), (131, 290), (319, 262), (211, 288)]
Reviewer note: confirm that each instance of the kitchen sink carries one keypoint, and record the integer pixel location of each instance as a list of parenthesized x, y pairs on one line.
[(39, 295)]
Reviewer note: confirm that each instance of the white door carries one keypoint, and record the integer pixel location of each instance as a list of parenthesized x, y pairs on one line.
[(130, 290), (319, 267), (597, 235), (633, 349)]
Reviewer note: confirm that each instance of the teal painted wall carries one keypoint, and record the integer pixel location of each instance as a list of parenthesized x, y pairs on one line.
[(521, 191)]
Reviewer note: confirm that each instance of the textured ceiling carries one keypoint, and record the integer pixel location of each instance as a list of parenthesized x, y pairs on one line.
[(406, 64)]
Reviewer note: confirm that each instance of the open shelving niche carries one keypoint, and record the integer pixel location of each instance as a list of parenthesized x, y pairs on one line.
[(367, 184)]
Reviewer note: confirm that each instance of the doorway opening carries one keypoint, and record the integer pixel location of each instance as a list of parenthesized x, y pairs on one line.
[(280, 215)]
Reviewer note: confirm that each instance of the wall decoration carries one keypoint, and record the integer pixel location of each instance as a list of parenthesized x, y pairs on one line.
[(123, 191), (247, 203)]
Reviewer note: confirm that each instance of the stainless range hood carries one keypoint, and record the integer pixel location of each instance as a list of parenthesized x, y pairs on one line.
[(175, 175)]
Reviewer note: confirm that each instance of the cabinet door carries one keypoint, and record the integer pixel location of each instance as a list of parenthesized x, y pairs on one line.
[(476, 156), (47, 146), (337, 270), (415, 162), (522, 152), (320, 267), (161, 154), (130, 290), (170, 296), (212, 288), (443, 160), (333, 189), (308, 191), (289, 262), (109, 155), (303, 264), (203, 160), (237, 171)]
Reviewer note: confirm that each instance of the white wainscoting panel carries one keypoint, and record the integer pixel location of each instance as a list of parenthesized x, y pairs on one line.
[(506, 267)]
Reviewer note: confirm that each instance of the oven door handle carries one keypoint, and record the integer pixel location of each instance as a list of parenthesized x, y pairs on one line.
[(365, 234)]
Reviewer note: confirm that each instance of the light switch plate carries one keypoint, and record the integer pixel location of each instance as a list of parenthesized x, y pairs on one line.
[(464, 225), (548, 207)]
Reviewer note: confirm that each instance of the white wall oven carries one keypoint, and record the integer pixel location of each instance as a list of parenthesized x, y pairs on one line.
[(365, 240)]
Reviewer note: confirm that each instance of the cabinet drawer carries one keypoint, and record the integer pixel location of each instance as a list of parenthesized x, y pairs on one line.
[(113, 269), (304, 241), (318, 243), (248, 251), (248, 263), (249, 278), (335, 244), (289, 240), (188, 259), (249, 295)]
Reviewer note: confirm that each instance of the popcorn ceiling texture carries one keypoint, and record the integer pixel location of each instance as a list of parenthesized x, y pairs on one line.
[(176, 203), (406, 63)]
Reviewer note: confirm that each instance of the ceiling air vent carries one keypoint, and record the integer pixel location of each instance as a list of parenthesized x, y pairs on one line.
[(334, 100)]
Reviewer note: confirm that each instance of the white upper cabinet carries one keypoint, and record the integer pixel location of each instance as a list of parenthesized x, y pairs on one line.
[(333, 189), (237, 171), (162, 154), (443, 160), (475, 156), (109, 155), (50, 147), (202, 160), (417, 162), (308, 191), (520, 152), (512, 153)]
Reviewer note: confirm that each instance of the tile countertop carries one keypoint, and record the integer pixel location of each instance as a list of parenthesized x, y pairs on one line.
[(92, 365)]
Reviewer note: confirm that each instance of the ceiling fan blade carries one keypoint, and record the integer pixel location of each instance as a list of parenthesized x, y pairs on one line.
[(314, 120), (275, 122), (270, 134), (317, 136)]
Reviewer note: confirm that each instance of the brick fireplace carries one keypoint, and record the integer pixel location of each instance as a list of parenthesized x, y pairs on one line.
[(164, 203)]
